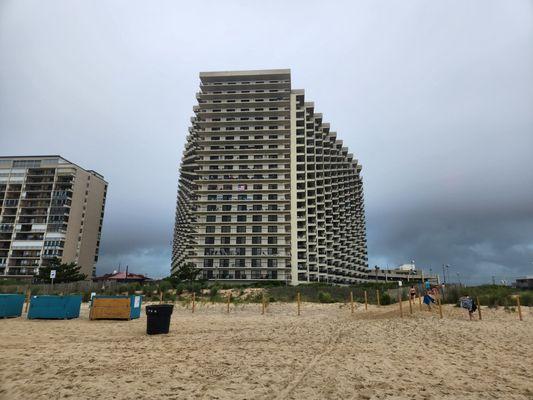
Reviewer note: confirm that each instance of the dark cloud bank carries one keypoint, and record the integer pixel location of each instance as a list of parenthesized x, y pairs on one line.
[(434, 98)]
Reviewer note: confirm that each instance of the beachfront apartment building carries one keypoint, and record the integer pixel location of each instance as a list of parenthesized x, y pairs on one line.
[(49, 207), (266, 189)]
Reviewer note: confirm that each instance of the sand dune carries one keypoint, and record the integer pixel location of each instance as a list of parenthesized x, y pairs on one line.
[(324, 354)]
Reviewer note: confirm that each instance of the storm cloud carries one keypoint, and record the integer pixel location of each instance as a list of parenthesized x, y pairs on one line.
[(434, 98)]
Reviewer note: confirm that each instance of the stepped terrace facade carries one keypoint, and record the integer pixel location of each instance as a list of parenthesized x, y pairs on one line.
[(49, 208), (266, 190)]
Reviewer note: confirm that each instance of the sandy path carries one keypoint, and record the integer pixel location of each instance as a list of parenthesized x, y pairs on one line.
[(323, 354)]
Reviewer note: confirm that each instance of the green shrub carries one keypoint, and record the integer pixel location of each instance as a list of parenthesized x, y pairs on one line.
[(325, 297), (385, 299), (526, 298), (213, 291), (165, 286)]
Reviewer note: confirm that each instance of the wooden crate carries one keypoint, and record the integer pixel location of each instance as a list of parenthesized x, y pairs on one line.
[(109, 308)]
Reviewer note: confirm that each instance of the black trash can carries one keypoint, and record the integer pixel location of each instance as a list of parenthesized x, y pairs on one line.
[(158, 318)]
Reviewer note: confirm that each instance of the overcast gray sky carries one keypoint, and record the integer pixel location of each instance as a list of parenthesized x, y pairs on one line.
[(435, 98)]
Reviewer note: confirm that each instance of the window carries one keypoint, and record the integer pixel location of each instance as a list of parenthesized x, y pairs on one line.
[(256, 229), (211, 218), (209, 240), (257, 207), (242, 207), (272, 229), (241, 218), (209, 229), (257, 218), (240, 263), (272, 240), (272, 207), (272, 196), (258, 197), (208, 263), (226, 218), (240, 251), (256, 251), (241, 229), (240, 240), (226, 207), (273, 186), (272, 218), (224, 240), (211, 207), (256, 239), (225, 229), (256, 262), (272, 263)]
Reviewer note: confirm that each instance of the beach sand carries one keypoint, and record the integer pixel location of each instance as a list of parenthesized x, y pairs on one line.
[(326, 353)]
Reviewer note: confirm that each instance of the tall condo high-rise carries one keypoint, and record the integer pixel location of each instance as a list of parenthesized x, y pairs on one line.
[(266, 190), (49, 207)]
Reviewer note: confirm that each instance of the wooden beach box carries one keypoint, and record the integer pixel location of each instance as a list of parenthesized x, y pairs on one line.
[(115, 307)]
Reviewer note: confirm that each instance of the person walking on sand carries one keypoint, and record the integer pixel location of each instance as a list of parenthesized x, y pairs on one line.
[(412, 293), (428, 299), (470, 305)]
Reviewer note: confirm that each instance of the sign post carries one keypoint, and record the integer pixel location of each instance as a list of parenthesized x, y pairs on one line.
[(52, 277)]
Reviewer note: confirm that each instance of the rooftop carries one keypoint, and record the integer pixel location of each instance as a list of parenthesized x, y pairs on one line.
[(56, 156), (213, 76)]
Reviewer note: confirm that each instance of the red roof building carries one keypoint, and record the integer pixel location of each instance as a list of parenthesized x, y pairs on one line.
[(122, 277)]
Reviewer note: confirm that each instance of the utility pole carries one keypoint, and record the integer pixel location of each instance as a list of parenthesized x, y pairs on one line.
[(493, 280), (443, 274)]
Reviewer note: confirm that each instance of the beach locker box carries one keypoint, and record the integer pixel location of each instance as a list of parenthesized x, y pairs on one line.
[(11, 305), (115, 307), (54, 307)]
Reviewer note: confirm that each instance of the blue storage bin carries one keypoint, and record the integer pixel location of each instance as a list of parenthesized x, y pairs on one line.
[(136, 302), (54, 307), (11, 305)]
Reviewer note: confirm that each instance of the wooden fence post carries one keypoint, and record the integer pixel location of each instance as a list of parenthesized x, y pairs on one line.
[(28, 298), (519, 308), (400, 303), (478, 308), (366, 301), (298, 300), (263, 304), (229, 300), (351, 301), (193, 300), (410, 306), (419, 302), (440, 307), (378, 299)]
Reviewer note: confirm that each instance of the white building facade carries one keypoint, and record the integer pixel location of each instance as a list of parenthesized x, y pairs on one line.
[(266, 190)]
